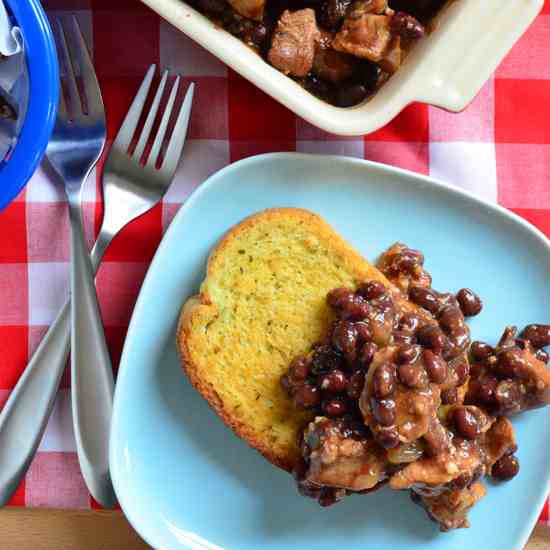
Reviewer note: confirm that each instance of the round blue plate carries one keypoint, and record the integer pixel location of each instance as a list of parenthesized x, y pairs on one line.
[(185, 481), (43, 98)]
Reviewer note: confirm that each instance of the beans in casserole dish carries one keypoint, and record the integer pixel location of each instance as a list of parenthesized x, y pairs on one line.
[(341, 51)]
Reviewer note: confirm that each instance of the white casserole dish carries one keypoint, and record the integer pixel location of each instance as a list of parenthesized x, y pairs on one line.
[(447, 68)]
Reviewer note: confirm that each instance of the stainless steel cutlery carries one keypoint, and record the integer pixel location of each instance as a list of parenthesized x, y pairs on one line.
[(133, 182)]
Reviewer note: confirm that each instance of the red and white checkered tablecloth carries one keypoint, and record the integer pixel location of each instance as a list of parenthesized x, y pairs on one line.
[(498, 148)]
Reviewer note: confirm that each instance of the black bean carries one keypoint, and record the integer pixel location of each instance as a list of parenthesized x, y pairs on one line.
[(403, 338), (325, 359), (487, 390), (462, 370), (407, 354), (344, 337), (541, 355), (259, 34), (306, 396), (332, 12), (405, 261), (384, 411), (451, 319), (350, 426), (506, 468), (435, 366), (333, 382), (387, 437), (299, 368), (355, 385), (350, 93), (371, 290), (413, 376), (480, 350), (366, 354), (364, 333), (449, 396), (338, 297), (319, 87), (235, 25), (368, 73), (508, 338), (383, 380), (538, 335), (409, 322), (334, 407), (484, 390), (431, 337), (424, 297), (470, 302), (511, 364), (355, 310), (407, 26), (466, 423)]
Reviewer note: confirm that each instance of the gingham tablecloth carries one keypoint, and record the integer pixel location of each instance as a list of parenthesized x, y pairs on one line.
[(498, 148)]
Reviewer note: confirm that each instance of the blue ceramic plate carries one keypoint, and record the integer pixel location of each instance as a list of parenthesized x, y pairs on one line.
[(185, 481)]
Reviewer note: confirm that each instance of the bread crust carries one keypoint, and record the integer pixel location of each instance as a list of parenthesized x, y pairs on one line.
[(194, 309)]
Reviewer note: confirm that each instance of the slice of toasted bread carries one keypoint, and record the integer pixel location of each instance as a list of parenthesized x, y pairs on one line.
[(261, 304)]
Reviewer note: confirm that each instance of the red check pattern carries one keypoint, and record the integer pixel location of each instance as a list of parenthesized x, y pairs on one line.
[(499, 147)]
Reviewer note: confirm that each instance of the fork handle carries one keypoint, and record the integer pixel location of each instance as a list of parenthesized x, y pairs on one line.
[(92, 381), (36, 390)]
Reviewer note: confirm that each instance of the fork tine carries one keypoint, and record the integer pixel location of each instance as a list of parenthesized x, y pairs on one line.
[(148, 126), (87, 72), (126, 132), (62, 108), (74, 101), (175, 147), (153, 156)]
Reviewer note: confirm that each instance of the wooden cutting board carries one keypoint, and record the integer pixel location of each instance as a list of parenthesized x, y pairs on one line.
[(41, 529)]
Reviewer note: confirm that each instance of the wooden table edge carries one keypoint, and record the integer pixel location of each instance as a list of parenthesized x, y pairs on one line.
[(49, 529)]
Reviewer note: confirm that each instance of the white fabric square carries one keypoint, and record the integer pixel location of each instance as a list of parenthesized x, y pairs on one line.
[(48, 290), (182, 55), (59, 434), (41, 188), (476, 123), (201, 158), (44, 187), (471, 166), (350, 148)]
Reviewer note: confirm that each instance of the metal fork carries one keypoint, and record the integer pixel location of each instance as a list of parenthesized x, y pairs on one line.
[(74, 149), (130, 189)]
